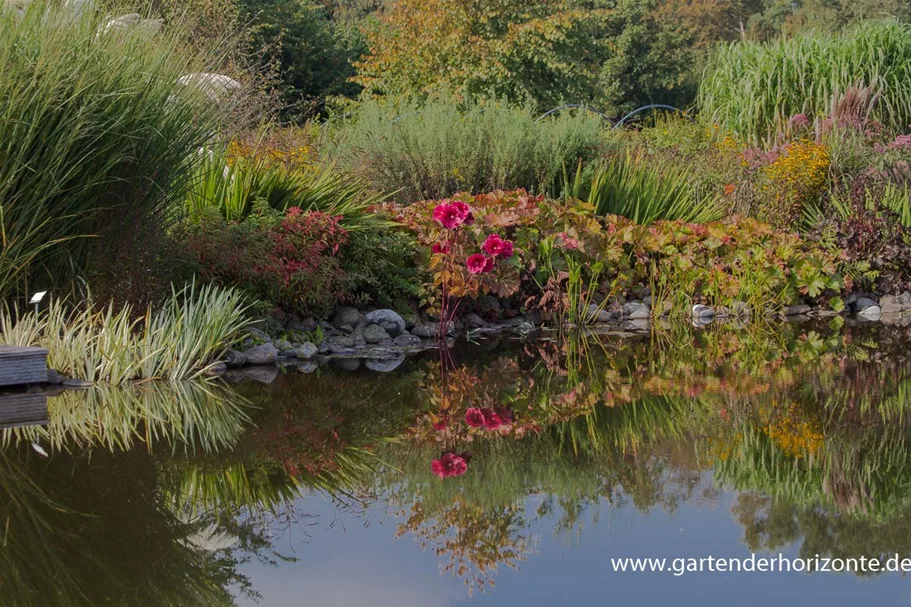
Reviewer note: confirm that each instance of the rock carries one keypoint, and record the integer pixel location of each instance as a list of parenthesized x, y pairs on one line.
[(512, 323), (723, 312), (380, 352), (595, 313), (76, 383), (797, 310), (891, 308), (306, 351), (359, 341), (55, 378), (636, 310), (235, 359), (323, 347), (339, 349), (347, 329), (863, 303), (700, 311), (345, 342), (407, 340), (282, 345), (647, 300), (346, 316), (741, 308), (426, 331), (488, 307), (638, 324), (265, 354), (385, 365), (374, 334), (307, 325), (851, 298), (389, 320), (216, 370), (870, 313), (905, 300), (292, 353), (307, 366), (262, 374), (258, 334), (347, 364), (473, 321)]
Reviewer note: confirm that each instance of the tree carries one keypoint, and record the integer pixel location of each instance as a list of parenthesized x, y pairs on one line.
[(543, 52)]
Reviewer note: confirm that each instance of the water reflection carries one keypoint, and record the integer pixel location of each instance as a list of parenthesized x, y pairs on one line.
[(164, 495)]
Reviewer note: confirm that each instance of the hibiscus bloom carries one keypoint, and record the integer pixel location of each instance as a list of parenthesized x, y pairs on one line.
[(440, 248), (464, 212), (492, 419), (448, 216), (497, 247), (474, 417), (479, 264), (450, 464)]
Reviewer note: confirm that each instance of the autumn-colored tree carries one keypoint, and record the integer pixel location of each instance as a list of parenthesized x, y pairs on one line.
[(542, 52)]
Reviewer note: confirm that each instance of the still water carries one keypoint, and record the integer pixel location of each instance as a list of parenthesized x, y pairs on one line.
[(498, 474)]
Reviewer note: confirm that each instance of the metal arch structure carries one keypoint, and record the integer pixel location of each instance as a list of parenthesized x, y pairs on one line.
[(653, 106), (571, 106)]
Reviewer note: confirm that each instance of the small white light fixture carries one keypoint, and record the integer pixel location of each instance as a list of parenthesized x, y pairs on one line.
[(36, 299)]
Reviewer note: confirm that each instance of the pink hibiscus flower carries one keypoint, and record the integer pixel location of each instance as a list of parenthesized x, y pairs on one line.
[(492, 419), (497, 247), (479, 264), (440, 248)]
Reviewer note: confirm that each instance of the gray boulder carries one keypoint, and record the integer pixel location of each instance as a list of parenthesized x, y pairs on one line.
[(389, 320), (346, 316), (864, 303), (235, 359), (375, 334), (595, 314), (473, 321), (307, 366), (307, 350), (282, 345), (405, 340), (635, 310), (265, 354), (216, 370), (797, 310), (700, 311)]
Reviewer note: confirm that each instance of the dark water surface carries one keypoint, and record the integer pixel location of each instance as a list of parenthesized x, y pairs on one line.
[(320, 489)]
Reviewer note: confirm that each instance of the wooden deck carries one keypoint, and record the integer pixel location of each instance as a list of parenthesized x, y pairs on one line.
[(22, 366)]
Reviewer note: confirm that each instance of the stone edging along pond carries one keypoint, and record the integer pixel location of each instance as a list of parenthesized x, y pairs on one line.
[(381, 339)]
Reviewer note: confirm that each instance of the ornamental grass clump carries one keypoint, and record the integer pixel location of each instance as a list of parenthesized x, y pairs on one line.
[(753, 89), (177, 341), (95, 133)]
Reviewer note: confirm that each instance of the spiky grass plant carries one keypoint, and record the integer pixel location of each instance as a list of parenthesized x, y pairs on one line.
[(176, 342), (753, 88), (95, 133), (232, 186), (629, 187)]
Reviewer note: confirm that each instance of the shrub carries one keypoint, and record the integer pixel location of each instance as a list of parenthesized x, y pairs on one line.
[(753, 88), (438, 148), (716, 263), (95, 132), (289, 259)]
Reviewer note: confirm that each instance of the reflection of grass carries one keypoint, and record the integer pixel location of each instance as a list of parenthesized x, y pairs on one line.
[(194, 414)]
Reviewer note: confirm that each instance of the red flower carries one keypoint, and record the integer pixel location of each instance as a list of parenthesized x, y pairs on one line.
[(464, 212), (567, 242), (492, 420), (497, 247), (452, 215), (440, 425), (474, 417), (479, 264), (448, 216), (440, 248), (450, 464)]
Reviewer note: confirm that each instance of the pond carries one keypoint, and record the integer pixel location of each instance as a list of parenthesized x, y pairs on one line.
[(498, 473)]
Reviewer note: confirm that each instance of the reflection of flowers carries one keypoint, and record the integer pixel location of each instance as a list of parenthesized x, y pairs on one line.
[(474, 417), (450, 464)]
